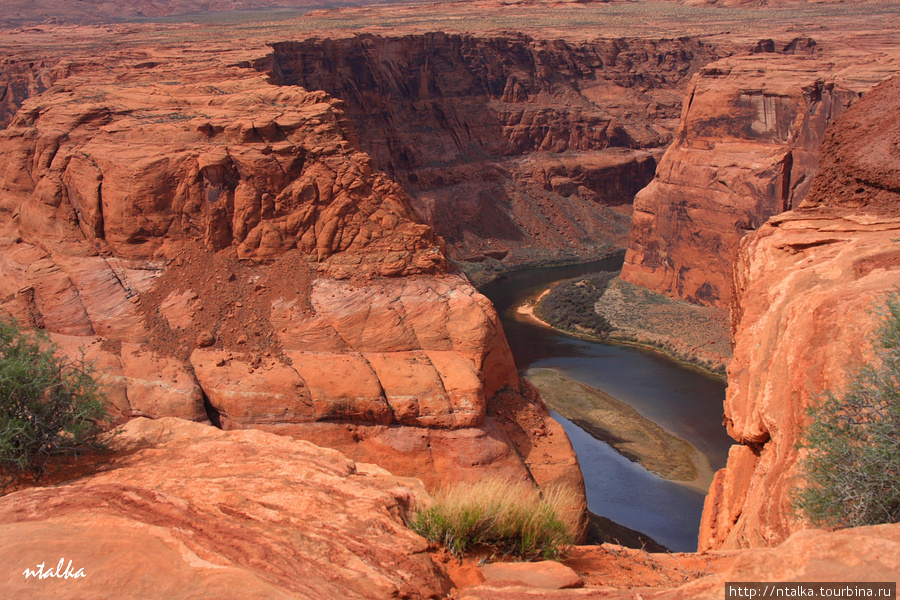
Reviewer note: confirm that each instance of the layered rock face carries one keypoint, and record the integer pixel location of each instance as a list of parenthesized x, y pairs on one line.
[(511, 148), (182, 510), (807, 285), (747, 149), (225, 252)]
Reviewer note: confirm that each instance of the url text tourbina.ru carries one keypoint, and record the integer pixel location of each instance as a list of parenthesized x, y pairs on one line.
[(764, 591)]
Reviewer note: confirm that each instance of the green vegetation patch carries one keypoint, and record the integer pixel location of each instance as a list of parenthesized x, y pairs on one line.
[(569, 305), (48, 405), (513, 518), (618, 424), (852, 463)]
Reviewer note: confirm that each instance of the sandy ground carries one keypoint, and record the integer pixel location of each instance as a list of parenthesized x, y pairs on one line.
[(694, 335)]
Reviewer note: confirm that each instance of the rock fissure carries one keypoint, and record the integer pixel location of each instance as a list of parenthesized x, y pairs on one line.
[(214, 416)]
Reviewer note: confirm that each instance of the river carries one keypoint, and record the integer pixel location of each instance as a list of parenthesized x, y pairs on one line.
[(685, 402)]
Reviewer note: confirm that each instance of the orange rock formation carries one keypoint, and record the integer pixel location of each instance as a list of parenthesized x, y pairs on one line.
[(224, 251), (747, 149), (185, 510), (807, 284)]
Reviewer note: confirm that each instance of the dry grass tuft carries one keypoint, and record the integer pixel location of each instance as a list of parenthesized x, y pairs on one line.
[(512, 518)]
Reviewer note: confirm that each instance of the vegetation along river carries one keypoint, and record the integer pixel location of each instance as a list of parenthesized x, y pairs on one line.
[(684, 402)]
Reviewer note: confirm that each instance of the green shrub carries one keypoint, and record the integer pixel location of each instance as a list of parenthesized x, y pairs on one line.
[(570, 304), (514, 519), (48, 405), (852, 465)]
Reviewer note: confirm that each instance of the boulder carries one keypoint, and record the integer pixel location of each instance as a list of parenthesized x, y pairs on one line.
[(184, 510)]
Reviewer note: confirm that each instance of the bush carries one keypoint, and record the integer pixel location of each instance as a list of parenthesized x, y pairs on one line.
[(48, 405), (513, 519), (570, 304), (852, 466)]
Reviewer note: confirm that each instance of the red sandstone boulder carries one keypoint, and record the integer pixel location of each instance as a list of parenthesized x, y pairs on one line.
[(546, 574), (184, 510)]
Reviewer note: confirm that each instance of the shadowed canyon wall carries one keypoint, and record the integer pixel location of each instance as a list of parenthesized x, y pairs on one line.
[(807, 287), (511, 148)]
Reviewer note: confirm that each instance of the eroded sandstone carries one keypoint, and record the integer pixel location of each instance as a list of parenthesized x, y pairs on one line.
[(512, 148), (747, 149), (224, 251), (808, 285)]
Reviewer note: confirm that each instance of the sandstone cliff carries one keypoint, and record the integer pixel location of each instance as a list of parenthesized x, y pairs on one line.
[(225, 252), (806, 286), (512, 148), (747, 149)]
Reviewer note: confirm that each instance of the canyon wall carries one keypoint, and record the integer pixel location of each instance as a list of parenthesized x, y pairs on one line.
[(747, 149), (807, 288), (511, 148), (22, 78), (226, 253)]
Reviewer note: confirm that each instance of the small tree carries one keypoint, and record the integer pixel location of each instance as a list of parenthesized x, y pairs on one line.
[(48, 405), (852, 466)]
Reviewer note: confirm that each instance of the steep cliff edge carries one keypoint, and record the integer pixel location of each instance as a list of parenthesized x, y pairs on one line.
[(511, 148), (226, 253), (806, 285)]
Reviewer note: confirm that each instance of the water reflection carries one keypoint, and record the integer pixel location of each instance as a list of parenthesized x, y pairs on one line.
[(630, 495), (683, 401)]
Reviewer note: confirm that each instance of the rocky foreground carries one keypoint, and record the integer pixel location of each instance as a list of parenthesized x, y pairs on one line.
[(183, 510)]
